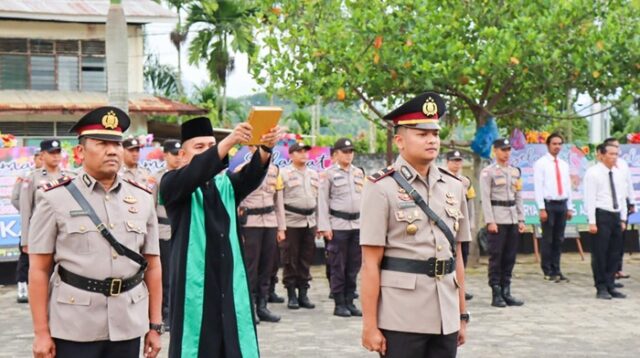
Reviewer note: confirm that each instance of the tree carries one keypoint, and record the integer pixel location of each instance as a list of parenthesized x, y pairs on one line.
[(512, 60), (178, 36), (160, 79), (222, 26)]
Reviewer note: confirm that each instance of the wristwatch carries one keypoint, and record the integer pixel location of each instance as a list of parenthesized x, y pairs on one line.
[(266, 149), (465, 316), (159, 328)]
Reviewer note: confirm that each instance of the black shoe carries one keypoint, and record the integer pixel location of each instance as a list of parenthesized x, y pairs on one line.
[(293, 299), (303, 299), (351, 307), (274, 298), (603, 295), (550, 278), (618, 285), (562, 278), (331, 295), (468, 296), (263, 312), (616, 294), (496, 299), (341, 309), (508, 299), (356, 295)]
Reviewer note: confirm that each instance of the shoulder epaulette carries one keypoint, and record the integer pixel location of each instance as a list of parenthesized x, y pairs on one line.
[(138, 185), (380, 174), (444, 171), (57, 183)]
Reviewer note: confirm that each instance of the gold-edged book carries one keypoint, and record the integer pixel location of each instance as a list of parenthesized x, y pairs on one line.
[(262, 119)]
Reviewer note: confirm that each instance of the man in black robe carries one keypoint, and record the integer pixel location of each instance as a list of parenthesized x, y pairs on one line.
[(211, 305)]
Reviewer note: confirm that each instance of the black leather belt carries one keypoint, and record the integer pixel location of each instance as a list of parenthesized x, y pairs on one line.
[(305, 212), (109, 287), (344, 215), (432, 267), (560, 201), (259, 211), (503, 202), (164, 221)]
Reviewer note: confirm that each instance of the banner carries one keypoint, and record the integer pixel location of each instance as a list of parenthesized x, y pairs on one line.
[(319, 157)]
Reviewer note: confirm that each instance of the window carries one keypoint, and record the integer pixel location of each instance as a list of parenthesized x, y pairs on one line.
[(68, 73), (13, 72), (94, 75), (43, 75)]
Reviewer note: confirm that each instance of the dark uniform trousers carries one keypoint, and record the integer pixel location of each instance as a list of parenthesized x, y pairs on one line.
[(465, 252), (260, 251), (100, 349), (418, 345), (553, 236), (605, 249), (165, 263), (297, 255), (22, 268), (345, 259), (503, 248)]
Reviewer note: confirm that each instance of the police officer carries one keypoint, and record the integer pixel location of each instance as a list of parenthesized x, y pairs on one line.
[(51, 154), (413, 221), (131, 169), (500, 186), (98, 234), (300, 193), (339, 222), (454, 165), (170, 147), (22, 267), (262, 214)]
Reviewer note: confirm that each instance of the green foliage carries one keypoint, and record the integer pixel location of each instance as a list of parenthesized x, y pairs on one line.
[(160, 79), (625, 118)]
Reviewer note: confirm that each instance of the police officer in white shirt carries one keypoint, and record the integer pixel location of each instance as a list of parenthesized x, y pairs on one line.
[(605, 193), (552, 187)]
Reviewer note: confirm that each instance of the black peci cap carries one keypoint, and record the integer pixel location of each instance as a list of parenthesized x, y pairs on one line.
[(197, 127)]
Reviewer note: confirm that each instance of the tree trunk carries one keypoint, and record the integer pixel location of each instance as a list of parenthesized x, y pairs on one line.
[(474, 249)]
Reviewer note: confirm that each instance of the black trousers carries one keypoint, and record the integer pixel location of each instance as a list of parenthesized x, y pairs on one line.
[(345, 259), (260, 250), (605, 249), (99, 349), (465, 252), (417, 345), (552, 237), (165, 263), (297, 255), (503, 247), (22, 268)]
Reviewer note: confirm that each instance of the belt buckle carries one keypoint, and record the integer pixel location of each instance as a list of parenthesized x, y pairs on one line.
[(440, 273), (115, 283)]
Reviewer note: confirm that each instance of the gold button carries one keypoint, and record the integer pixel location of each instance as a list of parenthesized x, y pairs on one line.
[(111, 226), (114, 254), (439, 247), (72, 300), (82, 228)]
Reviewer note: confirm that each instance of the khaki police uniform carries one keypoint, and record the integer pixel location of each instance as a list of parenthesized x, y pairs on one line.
[(139, 175), (60, 227)]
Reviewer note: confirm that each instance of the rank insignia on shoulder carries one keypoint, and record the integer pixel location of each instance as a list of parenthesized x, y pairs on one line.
[(138, 185), (57, 183), (444, 171), (380, 174)]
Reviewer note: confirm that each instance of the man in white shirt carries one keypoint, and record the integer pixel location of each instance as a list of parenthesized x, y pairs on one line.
[(605, 193), (552, 187)]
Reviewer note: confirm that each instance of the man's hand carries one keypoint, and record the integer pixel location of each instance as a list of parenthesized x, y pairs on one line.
[(492, 228), (462, 333), (281, 236), (373, 340), (152, 344), (543, 215), (241, 133), (327, 234), (593, 229), (43, 346), (25, 249), (271, 139), (569, 215), (521, 227), (623, 225)]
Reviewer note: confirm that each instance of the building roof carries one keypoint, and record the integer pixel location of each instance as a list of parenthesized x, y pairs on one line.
[(84, 11), (67, 102)]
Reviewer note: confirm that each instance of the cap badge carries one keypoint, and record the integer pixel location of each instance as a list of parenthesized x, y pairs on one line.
[(110, 120), (430, 108), (55, 144)]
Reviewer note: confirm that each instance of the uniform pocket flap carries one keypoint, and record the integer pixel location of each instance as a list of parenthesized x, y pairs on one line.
[(396, 279), (80, 226), (136, 226), (70, 295), (138, 293)]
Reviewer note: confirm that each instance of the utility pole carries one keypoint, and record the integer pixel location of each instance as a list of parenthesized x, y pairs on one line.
[(117, 46)]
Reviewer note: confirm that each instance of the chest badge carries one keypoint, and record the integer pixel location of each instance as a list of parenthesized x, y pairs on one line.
[(133, 210), (130, 199)]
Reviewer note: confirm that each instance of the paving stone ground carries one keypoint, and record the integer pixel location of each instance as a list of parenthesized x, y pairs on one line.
[(558, 320)]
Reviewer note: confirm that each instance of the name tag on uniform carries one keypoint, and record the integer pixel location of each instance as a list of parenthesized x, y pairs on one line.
[(75, 213), (406, 204)]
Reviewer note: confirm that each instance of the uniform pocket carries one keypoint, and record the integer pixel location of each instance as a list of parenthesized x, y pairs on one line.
[(136, 229), (138, 293), (81, 235), (70, 295), (402, 280)]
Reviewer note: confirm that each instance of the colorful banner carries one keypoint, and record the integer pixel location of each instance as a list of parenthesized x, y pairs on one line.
[(319, 157)]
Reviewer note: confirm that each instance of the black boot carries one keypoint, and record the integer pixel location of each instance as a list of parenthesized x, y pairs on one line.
[(341, 309), (293, 298), (496, 299), (508, 299), (351, 307), (303, 299), (273, 296), (468, 296), (256, 319), (263, 312)]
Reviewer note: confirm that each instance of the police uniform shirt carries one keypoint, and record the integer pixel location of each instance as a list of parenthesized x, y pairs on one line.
[(138, 174), (268, 194), (545, 181), (34, 181), (597, 191), (164, 229), (499, 183), (300, 191), (415, 302), (60, 227), (470, 195), (340, 190)]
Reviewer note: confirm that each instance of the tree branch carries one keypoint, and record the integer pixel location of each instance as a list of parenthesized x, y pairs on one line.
[(503, 91)]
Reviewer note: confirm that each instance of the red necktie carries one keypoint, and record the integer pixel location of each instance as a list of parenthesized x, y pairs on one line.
[(558, 178)]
